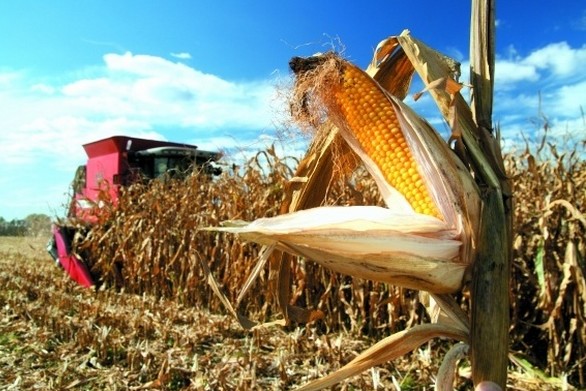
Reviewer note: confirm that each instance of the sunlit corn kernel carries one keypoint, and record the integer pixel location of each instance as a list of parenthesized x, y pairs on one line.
[(375, 126)]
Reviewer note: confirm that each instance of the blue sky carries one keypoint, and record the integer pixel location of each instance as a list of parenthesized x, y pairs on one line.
[(212, 73)]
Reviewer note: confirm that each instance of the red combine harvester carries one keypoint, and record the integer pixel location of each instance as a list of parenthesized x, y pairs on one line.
[(114, 162)]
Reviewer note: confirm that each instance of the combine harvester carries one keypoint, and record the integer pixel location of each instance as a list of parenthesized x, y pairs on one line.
[(113, 163)]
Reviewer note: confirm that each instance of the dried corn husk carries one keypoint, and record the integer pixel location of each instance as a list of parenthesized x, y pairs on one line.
[(393, 244)]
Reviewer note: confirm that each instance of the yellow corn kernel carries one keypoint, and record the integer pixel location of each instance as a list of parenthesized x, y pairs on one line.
[(373, 122)]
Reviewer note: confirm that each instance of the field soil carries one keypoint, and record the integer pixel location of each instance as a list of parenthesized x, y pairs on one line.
[(55, 335)]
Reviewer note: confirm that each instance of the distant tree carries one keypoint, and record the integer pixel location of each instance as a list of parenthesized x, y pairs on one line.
[(12, 228), (38, 224), (33, 225)]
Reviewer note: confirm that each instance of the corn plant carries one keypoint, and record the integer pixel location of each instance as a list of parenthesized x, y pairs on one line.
[(427, 235)]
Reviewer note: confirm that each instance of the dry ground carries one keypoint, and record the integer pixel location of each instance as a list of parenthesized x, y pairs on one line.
[(55, 335)]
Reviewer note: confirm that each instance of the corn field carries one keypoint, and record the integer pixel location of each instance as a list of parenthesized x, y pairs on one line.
[(154, 244), (548, 279)]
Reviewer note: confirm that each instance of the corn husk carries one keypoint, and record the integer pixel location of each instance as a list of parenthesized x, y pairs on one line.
[(393, 244), (368, 242)]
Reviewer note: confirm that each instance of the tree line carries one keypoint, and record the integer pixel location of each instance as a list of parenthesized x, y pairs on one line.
[(32, 225)]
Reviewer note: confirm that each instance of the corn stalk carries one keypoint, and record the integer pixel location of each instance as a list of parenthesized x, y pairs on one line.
[(476, 143), (491, 273)]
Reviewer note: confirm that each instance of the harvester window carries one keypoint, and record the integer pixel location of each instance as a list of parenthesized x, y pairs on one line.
[(161, 165), (175, 167), (170, 162)]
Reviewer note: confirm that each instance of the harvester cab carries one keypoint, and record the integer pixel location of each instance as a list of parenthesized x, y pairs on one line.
[(113, 163)]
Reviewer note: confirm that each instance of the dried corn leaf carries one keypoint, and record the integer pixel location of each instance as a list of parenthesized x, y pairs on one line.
[(433, 66), (385, 350)]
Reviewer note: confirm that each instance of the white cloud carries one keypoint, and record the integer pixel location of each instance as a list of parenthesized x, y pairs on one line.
[(571, 98), (547, 83), (8, 78), (43, 88), (550, 63), (507, 72), (549, 79), (44, 123), (181, 56), (558, 58), (167, 93)]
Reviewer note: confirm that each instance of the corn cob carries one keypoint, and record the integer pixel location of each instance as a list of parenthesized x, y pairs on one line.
[(374, 124)]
